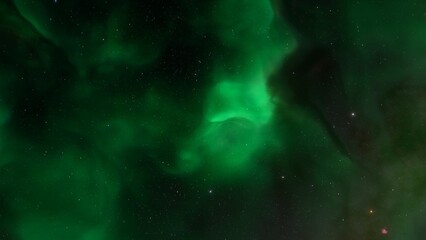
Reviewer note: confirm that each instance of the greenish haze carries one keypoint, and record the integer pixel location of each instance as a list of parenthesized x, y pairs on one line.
[(206, 120)]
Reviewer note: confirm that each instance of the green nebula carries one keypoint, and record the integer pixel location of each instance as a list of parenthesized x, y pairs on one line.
[(238, 106), (222, 119), (236, 126), (111, 103)]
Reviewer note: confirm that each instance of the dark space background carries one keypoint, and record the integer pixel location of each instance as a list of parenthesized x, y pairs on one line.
[(219, 119)]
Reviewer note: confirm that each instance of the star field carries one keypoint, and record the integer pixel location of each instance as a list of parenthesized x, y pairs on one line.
[(208, 120)]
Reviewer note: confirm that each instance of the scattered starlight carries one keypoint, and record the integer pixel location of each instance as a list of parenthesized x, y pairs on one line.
[(218, 106)]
